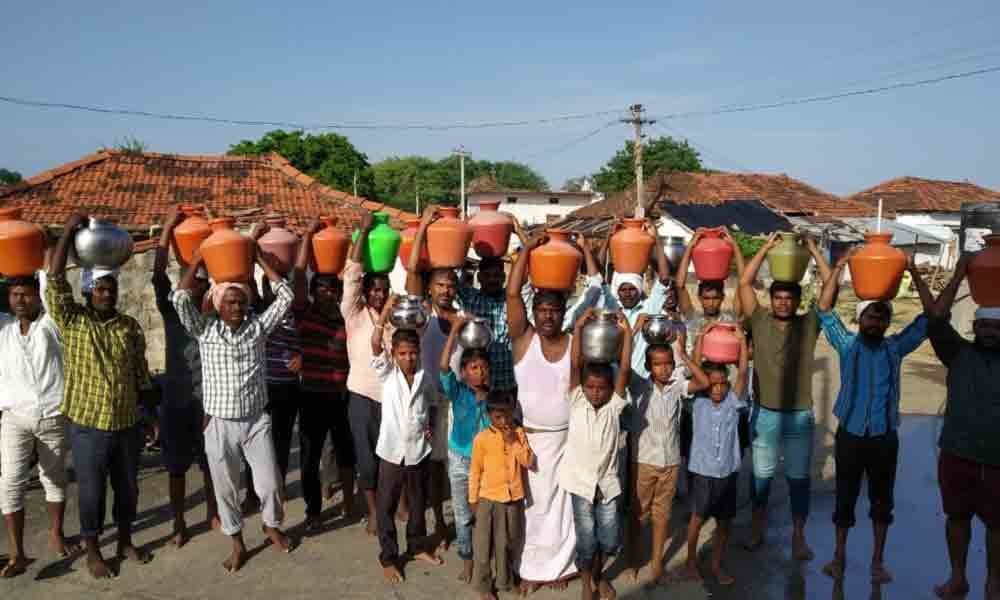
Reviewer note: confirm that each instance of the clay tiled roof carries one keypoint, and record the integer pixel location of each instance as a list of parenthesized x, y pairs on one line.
[(780, 193), (136, 189), (913, 194)]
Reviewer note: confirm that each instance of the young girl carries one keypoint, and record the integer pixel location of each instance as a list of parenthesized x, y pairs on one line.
[(715, 455)]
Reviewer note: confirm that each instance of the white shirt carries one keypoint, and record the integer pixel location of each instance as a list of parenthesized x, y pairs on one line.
[(405, 414), (31, 368), (592, 445), (656, 422)]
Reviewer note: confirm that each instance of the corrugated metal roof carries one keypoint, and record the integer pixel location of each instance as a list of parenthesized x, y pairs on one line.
[(902, 234)]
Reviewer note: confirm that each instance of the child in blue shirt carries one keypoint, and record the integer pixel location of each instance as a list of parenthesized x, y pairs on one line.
[(467, 397)]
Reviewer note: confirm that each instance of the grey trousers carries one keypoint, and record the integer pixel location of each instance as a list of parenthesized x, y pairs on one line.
[(497, 536), (227, 443)]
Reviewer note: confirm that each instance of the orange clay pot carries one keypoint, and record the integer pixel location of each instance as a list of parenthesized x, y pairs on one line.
[(555, 264), (490, 231), (630, 247), (189, 234), (406, 246), (22, 245), (228, 253), (279, 245), (984, 274), (448, 239), (877, 269), (329, 248)]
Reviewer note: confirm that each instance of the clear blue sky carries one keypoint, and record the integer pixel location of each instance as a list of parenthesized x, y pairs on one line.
[(436, 62)]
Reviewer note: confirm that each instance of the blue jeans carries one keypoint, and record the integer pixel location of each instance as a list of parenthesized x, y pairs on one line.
[(458, 476), (773, 430), (597, 527), (100, 456)]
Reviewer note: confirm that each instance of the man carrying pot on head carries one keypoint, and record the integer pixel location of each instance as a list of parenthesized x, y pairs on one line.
[(593, 286), (325, 368), (711, 293), (364, 297), (867, 410), (969, 462), (784, 349), (231, 341), (31, 376), (181, 412), (107, 385)]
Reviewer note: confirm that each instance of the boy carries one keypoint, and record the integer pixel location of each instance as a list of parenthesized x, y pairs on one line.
[(715, 455), (500, 453), (404, 444), (590, 471), (656, 451), (468, 399)]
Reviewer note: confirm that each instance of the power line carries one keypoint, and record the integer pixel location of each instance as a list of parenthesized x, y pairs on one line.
[(705, 150), (304, 126), (555, 150), (828, 97)]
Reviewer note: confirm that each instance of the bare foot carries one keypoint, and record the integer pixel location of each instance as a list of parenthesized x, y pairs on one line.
[(98, 568), (14, 567), (63, 547), (281, 541), (952, 589), (655, 571), (606, 591), (721, 576), (370, 527), (180, 534), (441, 533), (427, 557), (529, 588), (392, 574), (559, 585), (465, 575), (215, 521), (328, 492), (880, 574), (835, 569), (130, 552), (801, 550), (587, 592), (235, 561), (691, 572)]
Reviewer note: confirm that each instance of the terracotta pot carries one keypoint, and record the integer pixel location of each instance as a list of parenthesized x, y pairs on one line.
[(555, 264), (984, 273), (329, 248), (189, 234), (379, 254), (711, 256), (788, 260), (406, 246), (721, 344), (630, 247), (448, 239), (877, 269), (228, 253), (22, 245), (279, 245), (490, 231)]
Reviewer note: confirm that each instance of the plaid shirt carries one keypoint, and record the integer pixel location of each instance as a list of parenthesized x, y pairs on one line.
[(494, 310), (105, 361), (233, 364)]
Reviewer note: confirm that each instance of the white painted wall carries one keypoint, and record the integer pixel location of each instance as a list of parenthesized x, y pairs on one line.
[(941, 225), (532, 208)]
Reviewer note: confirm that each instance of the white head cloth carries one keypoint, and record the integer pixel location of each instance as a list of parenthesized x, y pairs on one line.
[(619, 279), (89, 276)]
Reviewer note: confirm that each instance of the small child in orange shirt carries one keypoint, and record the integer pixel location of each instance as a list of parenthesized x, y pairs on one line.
[(500, 454)]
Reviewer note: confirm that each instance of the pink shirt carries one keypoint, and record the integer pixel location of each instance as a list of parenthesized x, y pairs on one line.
[(359, 322)]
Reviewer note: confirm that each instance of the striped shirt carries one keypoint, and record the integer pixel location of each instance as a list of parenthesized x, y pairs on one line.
[(494, 310), (324, 349), (282, 345), (233, 363)]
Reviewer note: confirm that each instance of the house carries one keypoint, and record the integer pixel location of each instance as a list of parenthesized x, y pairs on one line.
[(135, 190), (530, 207)]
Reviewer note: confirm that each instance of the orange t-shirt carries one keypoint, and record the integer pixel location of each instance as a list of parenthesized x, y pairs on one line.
[(495, 472)]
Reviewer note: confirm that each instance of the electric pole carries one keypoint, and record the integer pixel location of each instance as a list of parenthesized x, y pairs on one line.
[(460, 151), (637, 120), (355, 183)]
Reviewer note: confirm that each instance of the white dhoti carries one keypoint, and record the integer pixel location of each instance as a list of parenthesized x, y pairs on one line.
[(549, 539)]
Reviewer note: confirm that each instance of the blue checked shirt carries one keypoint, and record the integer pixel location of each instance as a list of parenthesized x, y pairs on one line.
[(868, 401), (494, 310), (715, 445)]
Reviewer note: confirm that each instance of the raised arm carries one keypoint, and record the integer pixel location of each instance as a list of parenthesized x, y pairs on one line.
[(743, 366), (942, 306), (576, 348), (683, 297), (457, 320), (831, 284), (923, 290), (748, 297), (662, 264), (190, 316), (162, 257), (821, 264), (625, 360), (59, 300), (517, 315), (592, 267), (357, 250), (699, 380), (414, 280), (379, 328), (302, 263), (61, 253)]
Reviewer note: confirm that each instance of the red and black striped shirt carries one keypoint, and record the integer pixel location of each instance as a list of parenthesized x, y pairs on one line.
[(324, 349)]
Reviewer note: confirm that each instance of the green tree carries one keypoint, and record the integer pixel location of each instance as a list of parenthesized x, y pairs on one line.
[(398, 179), (659, 153), (574, 184), (9, 177), (329, 158)]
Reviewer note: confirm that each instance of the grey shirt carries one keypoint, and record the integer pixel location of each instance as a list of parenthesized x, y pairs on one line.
[(183, 359)]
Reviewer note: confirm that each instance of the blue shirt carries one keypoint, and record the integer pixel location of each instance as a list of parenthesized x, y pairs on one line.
[(868, 400), (469, 414), (715, 447)]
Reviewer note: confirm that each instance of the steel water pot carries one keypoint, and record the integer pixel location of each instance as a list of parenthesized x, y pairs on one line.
[(409, 313), (659, 329), (102, 244), (475, 334), (602, 338)]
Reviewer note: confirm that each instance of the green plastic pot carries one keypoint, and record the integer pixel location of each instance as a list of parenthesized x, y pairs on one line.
[(379, 254), (788, 260)]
